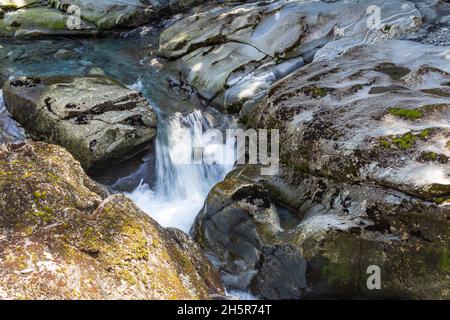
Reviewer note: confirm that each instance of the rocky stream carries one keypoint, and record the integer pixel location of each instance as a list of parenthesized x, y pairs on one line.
[(100, 102)]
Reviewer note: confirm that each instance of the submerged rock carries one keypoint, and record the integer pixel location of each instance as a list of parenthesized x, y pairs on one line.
[(367, 120), (326, 242), (96, 118), (61, 238), (108, 14), (239, 224), (232, 55)]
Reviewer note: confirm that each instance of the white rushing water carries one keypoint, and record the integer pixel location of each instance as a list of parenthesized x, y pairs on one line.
[(181, 185), (9, 131)]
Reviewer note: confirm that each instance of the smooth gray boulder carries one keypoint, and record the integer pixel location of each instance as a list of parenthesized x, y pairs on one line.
[(62, 237), (300, 236), (10, 132), (365, 155), (106, 14), (41, 21), (231, 55), (97, 119), (374, 119)]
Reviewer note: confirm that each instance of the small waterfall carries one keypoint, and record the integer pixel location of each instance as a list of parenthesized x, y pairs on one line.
[(181, 183)]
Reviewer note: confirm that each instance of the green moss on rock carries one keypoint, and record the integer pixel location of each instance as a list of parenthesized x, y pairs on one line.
[(315, 92), (384, 143), (409, 114), (430, 156), (405, 141)]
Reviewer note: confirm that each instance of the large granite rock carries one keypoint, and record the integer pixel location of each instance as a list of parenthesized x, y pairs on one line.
[(97, 119), (108, 14), (40, 21), (383, 119), (105, 14), (302, 236), (60, 238), (365, 148), (231, 55), (33, 18)]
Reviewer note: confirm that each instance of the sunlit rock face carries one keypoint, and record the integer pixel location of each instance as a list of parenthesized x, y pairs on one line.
[(129, 13), (40, 21), (62, 237), (232, 55), (376, 113), (365, 153), (17, 4), (107, 14), (3, 75), (96, 118), (33, 18)]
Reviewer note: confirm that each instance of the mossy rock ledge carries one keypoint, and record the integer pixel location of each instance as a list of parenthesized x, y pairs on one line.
[(62, 237), (96, 118)]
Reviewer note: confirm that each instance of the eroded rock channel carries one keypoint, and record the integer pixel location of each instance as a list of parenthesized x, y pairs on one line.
[(361, 102)]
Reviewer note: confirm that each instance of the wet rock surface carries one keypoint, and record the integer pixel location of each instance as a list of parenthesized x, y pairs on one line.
[(17, 4), (96, 118), (239, 224), (41, 21), (364, 138), (32, 18), (108, 14), (365, 149), (62, 237), (323, 247), (230, 56)]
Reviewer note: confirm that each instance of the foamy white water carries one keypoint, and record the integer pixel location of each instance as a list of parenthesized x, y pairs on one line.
[(181, 185), (240, 295)]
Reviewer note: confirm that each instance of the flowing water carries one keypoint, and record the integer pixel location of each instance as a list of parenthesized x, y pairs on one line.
[(169, 191), (181, 186)]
